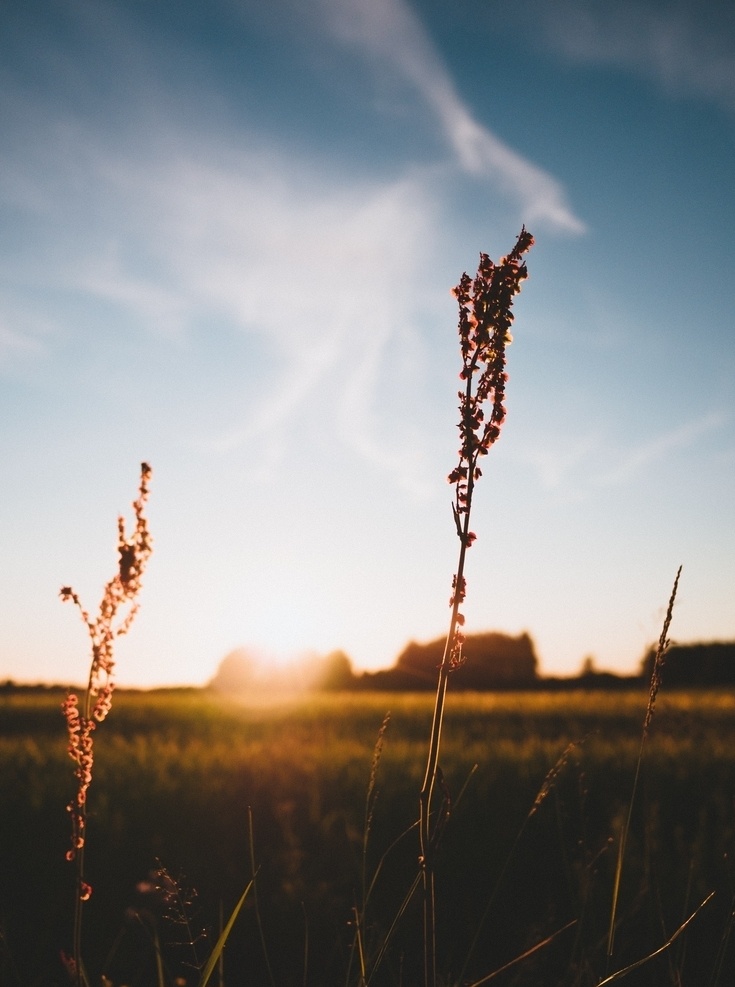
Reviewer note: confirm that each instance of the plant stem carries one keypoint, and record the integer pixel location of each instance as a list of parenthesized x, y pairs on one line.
[(485, 318), (432, 764)]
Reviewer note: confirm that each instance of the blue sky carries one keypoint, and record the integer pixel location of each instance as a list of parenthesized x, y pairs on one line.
[(228, 234)]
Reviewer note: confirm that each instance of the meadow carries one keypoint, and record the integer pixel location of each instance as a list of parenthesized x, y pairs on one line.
[(528, 847)]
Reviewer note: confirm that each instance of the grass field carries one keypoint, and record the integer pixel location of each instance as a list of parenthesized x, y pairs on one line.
[(177, 776)]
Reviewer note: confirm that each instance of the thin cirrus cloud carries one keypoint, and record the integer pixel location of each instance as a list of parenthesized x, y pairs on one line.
[(177, 229), (558, 460), (570, 464), (13, 344), (310, 266), (305, 262), (387, 32), (687, 49), (172, 231), (649, 453)]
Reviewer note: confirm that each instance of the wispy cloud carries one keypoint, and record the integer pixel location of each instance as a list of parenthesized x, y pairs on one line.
[(171, 227), (13, 343), (27, 332), (389, 33), (653, 451), (687, 48), (558, 459), (326, 273), (106, 276), (573, 466)]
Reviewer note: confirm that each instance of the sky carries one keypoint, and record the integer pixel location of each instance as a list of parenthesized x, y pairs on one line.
[(228, 237)]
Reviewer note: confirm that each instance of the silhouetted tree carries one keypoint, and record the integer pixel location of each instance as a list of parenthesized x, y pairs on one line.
[(235, 673), (588, 666), (709, 664), (492, 661), (334, 672)]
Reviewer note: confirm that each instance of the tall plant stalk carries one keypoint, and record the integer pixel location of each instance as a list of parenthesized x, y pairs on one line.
[(117, 611), (655, 684), (485, 319)]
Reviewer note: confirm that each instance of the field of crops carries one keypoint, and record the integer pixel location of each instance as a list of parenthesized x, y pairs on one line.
[(178, 776)]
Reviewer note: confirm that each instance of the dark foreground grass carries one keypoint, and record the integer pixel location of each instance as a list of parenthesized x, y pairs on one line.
[(176, 775)]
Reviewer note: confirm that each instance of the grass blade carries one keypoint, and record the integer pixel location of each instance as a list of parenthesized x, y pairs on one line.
[(524, 956), (619, 974), (211, 963), (663, 646)]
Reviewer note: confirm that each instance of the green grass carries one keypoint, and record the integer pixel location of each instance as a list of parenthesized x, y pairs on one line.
[(175, 775)]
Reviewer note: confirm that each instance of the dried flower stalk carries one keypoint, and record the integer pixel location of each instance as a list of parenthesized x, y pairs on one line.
[(485, 319), (117, 612)]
